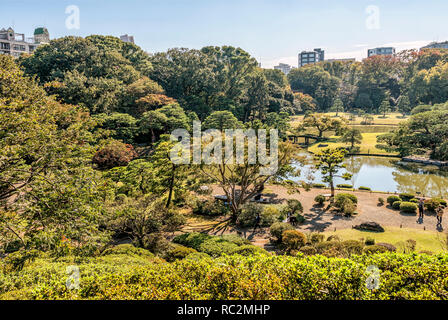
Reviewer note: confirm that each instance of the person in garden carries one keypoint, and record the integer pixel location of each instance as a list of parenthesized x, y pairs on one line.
[(440, 212), (421, 208)]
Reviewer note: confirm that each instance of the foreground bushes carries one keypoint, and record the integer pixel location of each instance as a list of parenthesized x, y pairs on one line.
[(256, 277)]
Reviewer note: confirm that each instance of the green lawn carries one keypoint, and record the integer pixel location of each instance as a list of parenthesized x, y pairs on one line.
[(368, 145), (426, 240)]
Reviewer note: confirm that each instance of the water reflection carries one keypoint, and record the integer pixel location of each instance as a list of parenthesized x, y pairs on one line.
[(387, 174)]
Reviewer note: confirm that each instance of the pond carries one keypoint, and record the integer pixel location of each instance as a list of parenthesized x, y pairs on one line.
[(385, 174)]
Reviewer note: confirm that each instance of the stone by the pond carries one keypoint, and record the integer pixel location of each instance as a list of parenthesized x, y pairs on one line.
[(369, 226)]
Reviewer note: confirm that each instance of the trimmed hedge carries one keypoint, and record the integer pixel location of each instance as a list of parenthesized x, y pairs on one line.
[(392, 199), (408, 207)]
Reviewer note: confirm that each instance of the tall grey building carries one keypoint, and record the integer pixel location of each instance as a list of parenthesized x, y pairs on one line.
[(383, 51), (283, 67), (15, 44), (437, 45), (127, 38), (311, 57)]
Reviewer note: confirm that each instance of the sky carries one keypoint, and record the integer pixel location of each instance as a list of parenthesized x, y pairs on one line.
[(272, 31)]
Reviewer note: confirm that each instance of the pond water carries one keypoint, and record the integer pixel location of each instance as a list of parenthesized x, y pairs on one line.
[(385, 174)]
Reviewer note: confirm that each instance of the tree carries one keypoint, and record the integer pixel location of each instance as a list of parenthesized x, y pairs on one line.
[(330, 162), (241, 182), (384, 107), (323, 123), (404, 106), (338, 106), (352, 136), (303, 103), (221, 120), (98, 72)]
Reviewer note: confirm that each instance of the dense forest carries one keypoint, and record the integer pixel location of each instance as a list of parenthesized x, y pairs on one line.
[(84, 164)]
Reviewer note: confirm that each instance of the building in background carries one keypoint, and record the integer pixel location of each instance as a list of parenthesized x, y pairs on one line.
[(15, 44), (437, 45), (283, 67), (311, 57), (127, 38), (384, 51)]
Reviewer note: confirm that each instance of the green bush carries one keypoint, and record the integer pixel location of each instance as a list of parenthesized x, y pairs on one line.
[(248, 215), (345, 186), (396, 205), (320, 199), (308, 250), (236, 239), (434, 203), (328, 246), (249, 250), (217, 246), (293, 239), (127, 249), (369, 242), (352, 247), (408, 207), (178, 252), (414, 200), (333, 238), (269, 215), (392, 199), (192, 240), (374, 249), (349, 196), (406, 197), (365, 189), (381, 201), (319, 185), (209, 207), (389, 247), (316, 238), (278, 228)]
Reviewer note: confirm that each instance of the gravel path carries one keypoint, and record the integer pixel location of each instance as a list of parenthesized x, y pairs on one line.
[(317, 219)]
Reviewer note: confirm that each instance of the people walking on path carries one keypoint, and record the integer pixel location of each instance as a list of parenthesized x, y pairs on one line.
[(440, 212), (421, 208)]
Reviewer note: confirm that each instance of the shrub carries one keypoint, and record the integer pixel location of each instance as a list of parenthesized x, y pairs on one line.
[(374, 249), (396, 205), (345, 186), (328, 246), (217, 246), (408, 207), (248, 250), (269, 216), (389, 247), (406, 197), (381, 201), (365, 188), (369, 242), (127, 249), (316, 237), (319, 186), (433, 204), (350, 196), (178, 252), (278, 228), (352, 247), (411, 244), (115, 154), (308, 250), (209, 207), (236, 239), (414, 200), (333, 238), (192, 240), (293, 239), (421, 109), (248, 215), (320, 199), (392, 199)]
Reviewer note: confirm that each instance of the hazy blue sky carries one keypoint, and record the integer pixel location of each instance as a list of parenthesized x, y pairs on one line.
[(271, 30)]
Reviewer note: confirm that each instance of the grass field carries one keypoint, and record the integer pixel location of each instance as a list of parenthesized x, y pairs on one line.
[(426, 240), (368, 145)]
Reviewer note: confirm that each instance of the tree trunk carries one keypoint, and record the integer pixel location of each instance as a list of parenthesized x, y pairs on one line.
[(170, 194)]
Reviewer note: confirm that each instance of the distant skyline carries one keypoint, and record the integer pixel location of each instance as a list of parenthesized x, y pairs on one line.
[(271, 31)]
